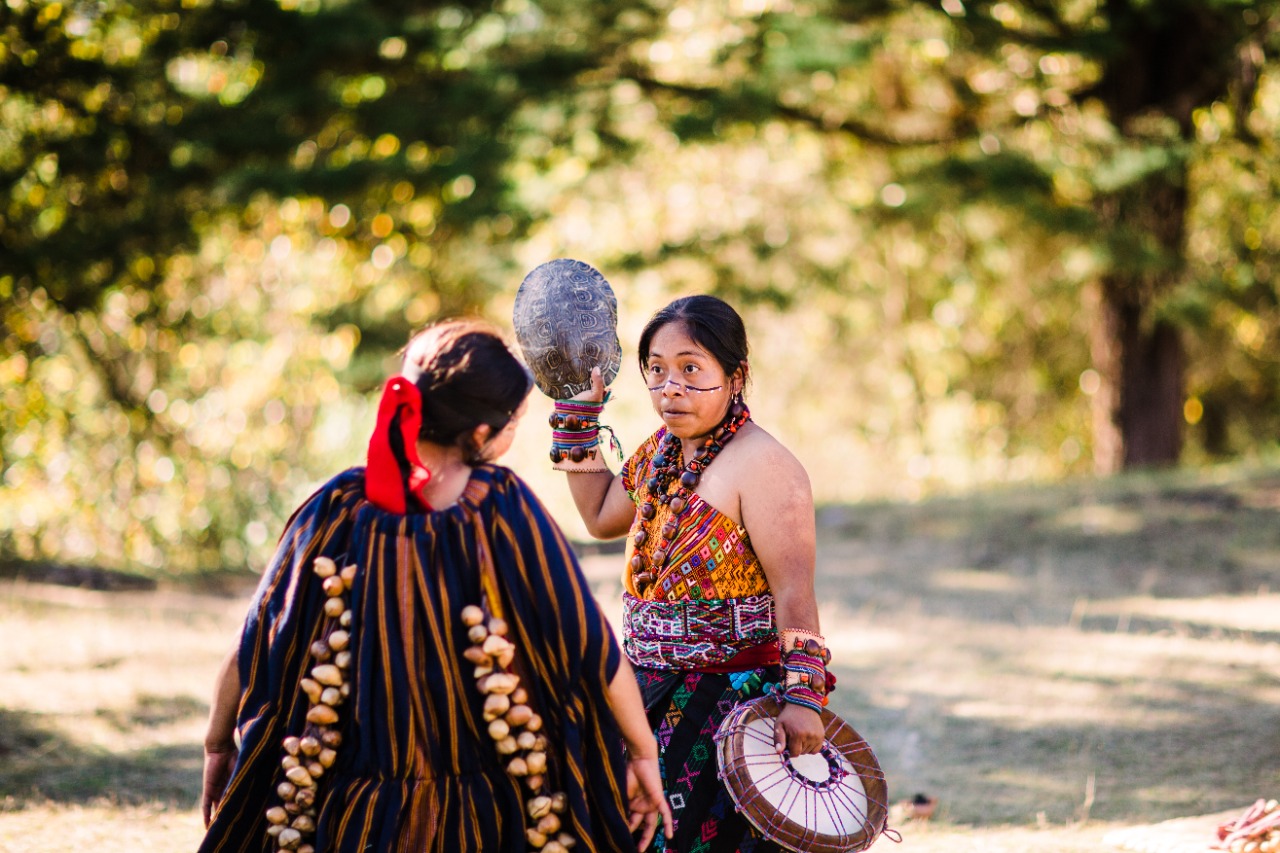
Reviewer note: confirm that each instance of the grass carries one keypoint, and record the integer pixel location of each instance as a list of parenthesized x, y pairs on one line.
[(1050, 663), (102, 715)]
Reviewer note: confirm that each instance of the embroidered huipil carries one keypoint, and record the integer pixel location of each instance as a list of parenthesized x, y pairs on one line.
[(703, 639), (710, 602)]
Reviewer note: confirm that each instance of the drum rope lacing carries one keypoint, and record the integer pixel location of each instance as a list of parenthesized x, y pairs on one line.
[(785, 773), (792, 805)]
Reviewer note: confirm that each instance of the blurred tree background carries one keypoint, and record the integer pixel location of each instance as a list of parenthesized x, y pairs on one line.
[(974, 241)]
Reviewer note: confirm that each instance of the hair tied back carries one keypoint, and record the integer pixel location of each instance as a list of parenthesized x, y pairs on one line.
[(394, 472)]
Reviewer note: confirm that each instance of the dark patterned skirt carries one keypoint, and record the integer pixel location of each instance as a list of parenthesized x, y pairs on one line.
[(685, 709)]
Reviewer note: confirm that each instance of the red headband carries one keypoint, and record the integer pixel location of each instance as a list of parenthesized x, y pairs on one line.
[(384, 480)]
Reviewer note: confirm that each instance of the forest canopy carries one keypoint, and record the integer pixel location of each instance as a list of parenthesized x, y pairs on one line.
[(974, 241)]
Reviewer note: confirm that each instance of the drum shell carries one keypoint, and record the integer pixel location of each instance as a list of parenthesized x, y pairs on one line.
[(791, 832)]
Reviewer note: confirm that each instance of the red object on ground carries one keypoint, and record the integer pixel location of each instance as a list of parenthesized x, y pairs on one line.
[(1257, 822)]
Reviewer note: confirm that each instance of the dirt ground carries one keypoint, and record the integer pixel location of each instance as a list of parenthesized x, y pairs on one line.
[(1051, 664)]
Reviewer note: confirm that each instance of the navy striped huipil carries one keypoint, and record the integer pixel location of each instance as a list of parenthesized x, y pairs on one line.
[(417, 770)]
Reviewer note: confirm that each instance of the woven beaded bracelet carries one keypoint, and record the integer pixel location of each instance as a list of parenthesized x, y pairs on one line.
[(576, 426), (805, 680)]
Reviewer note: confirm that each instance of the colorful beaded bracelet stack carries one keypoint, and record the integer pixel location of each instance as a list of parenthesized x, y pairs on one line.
[(575, 432), (805, 680)]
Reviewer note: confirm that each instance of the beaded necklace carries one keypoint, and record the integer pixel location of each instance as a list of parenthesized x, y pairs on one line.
[(666, 464)]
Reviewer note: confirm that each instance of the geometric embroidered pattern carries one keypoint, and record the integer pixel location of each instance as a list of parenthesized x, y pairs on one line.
[(689, 634), (710, 558), (705, 816)]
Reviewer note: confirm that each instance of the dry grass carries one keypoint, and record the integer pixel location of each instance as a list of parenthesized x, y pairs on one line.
[(103, 714), (1051, 664)]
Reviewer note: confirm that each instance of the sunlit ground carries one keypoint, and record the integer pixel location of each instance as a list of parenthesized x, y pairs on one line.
[(103, 715), (1052, 665)]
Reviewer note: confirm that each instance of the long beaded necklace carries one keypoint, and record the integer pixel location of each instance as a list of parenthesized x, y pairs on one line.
[(666, 463)]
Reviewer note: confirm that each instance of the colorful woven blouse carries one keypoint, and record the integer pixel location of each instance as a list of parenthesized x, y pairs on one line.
[(711, 557), (710, 608)]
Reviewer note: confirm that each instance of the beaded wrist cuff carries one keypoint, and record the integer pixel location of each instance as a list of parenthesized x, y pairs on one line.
[(805, 680), (587, 466), (575, 435)]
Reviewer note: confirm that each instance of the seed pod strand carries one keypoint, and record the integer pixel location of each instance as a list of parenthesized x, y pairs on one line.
[(307, 757), (513, 726)]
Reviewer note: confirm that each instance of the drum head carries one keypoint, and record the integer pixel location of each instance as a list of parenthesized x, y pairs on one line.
[(566, 321), (831, 802)]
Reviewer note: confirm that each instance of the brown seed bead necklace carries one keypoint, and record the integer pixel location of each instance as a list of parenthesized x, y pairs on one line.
[(666, 464)]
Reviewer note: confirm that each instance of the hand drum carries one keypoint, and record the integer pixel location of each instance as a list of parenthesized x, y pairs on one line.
[(830, 802)]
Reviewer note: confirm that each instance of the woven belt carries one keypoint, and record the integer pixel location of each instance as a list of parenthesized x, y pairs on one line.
[(722, 635)]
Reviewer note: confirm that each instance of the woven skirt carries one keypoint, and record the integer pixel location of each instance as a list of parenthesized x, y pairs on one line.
[(685, 709)]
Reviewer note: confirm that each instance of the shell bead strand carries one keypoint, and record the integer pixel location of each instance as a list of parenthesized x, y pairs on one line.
[(667, 471), (511, 723), (327, 686)]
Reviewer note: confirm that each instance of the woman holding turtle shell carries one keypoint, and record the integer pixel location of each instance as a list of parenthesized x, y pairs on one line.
[(718, 587)]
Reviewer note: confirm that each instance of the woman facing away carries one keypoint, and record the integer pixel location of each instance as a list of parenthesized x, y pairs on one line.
[(384, 722), (718, 588)]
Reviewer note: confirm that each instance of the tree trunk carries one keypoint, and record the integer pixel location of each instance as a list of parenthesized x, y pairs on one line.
[(1138, 408), (1170, 58)]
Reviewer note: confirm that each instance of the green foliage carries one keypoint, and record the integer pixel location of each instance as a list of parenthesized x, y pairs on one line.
[(202, 203), (218, 219)]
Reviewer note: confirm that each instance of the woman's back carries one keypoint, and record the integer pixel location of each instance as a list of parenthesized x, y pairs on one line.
[(417, 769)]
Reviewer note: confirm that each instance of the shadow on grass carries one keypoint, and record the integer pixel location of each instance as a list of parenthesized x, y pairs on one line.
[(986, 773), (150, 710), (1069, 566), (1035, 556), (81, 577), (216, 581), (39, 765)]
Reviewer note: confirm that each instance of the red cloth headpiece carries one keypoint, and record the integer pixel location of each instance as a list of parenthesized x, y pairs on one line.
[(386, 481)]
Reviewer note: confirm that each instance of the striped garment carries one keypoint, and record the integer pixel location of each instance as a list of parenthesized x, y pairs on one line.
[(417, 770)]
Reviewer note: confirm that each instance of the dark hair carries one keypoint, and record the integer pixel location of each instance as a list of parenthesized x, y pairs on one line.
[(467, 376), (711, 323)]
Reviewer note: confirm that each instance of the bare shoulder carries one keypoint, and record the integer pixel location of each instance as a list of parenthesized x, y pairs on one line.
[(769, 465)]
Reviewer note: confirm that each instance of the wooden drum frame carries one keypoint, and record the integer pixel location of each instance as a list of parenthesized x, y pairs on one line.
[(834, 801)]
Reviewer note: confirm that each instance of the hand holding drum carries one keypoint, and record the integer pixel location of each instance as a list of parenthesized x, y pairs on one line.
[(832, 801)]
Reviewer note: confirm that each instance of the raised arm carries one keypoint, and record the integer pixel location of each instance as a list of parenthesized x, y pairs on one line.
[(602, 502), (599, 494)]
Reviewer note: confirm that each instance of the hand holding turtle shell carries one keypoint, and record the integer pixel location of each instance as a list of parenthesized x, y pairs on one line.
[(596, 392), (566, 321)]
